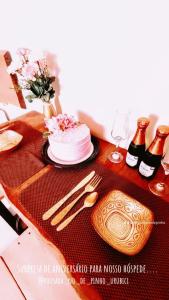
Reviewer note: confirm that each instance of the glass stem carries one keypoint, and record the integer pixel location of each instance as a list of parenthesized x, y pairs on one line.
[(162, 182), (164, 178), (117, 146)]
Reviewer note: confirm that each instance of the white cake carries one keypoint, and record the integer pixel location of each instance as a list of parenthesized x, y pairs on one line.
[(69, 140)]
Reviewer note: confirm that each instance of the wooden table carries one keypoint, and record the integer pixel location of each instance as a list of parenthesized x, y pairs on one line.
[(35, 120)]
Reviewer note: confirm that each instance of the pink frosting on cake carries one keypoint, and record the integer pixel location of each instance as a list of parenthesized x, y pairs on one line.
[(71, 144)]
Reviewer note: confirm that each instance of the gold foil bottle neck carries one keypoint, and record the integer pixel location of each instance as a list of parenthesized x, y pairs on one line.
[(139, 137), (163, 130), (143, 122), (157, 145)]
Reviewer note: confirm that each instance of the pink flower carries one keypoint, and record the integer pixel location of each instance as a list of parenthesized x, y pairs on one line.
[(61, 123), (29, 71), (42, 63), (65, 122), (23, 51)]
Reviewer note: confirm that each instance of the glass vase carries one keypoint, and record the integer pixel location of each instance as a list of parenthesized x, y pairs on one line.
[(48, 110)]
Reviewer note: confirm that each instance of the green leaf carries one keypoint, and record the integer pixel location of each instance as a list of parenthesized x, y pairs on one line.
[(46, 134), (35, 89), (51, 92), (30, 97), (40, 81)]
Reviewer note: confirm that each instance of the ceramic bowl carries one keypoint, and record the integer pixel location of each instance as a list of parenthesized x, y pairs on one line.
[(123, 222), (9, 140)]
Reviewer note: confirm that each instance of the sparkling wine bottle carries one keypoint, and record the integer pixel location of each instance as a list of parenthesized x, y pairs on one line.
[(153, 155), (137, 146)]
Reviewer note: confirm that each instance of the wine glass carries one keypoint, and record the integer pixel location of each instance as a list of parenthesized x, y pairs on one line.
[(159, 187), (119, 133)]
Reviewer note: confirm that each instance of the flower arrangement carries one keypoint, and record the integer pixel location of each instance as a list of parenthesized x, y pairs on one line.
[(33, 75), (62, 122)]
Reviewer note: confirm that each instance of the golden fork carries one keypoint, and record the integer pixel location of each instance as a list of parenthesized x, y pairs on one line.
[(90, 187)]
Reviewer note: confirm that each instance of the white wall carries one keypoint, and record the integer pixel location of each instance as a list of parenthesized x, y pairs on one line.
[(110, 53)]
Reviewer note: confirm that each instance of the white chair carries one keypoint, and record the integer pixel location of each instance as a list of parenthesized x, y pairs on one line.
[(8, 235), (8, 287), (3, 115), (34, 265)]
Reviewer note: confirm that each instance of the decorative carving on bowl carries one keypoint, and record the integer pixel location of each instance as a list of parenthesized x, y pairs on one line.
[(123, 222)]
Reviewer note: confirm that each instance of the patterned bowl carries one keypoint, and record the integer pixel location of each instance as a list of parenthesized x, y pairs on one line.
[(123, 222)]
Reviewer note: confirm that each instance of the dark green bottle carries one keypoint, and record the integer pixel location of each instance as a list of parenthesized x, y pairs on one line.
[(137, 146)]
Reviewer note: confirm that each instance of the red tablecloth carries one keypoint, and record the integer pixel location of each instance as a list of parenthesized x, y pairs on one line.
[(81, 245), (25, 161)]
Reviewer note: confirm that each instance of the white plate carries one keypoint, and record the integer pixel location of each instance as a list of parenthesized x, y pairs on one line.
[(72, 162), (9, 139)]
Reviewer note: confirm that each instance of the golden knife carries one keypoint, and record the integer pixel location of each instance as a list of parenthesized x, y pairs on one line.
[(57, 205), (90, 187)]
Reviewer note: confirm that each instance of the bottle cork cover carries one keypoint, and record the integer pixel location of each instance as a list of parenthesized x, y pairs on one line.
[(122, 222)]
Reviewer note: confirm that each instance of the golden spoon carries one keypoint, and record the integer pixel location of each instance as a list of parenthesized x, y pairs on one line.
[(89, 201)]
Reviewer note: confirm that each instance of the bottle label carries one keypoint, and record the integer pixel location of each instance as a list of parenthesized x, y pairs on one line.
[(146, 170), (131, 160)]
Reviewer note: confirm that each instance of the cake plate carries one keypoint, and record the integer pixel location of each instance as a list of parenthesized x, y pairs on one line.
[(49, 158)]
